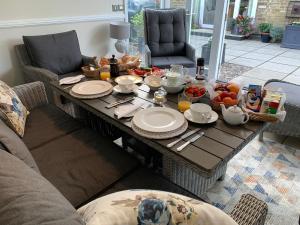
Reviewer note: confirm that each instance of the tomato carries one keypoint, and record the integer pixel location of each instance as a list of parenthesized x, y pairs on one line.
[(224, 94), (140, 72)]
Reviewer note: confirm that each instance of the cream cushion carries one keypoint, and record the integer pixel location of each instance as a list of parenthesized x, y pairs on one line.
[(146, 207)]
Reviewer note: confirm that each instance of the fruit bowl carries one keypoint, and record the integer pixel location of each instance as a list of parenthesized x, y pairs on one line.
[(227, 94), (195, 92)]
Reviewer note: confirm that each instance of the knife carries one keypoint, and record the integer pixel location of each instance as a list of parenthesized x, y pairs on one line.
[(190, 141), (119, 102), (183, 137)]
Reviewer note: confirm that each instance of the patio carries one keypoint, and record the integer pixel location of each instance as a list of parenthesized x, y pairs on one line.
[(255, 62)]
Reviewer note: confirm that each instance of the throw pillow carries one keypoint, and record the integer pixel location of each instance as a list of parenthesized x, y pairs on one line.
[(14, 145), (28, 198), (12, 110), (145, 207)]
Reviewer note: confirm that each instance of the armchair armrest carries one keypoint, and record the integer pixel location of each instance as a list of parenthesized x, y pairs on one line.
[(191, 52), (39, 74), (147, 56), (86, 60), (32, 95)]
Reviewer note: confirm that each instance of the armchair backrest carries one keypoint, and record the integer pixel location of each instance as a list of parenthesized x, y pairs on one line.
[(165, 31), (22, 55)]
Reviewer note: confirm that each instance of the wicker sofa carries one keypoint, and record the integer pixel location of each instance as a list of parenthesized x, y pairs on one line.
[(291, 124), (79, 163)]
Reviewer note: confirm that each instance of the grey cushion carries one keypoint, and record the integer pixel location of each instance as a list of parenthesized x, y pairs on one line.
[(59, 53), (14, 145), (165, 32), (28, 198), (165, 62)]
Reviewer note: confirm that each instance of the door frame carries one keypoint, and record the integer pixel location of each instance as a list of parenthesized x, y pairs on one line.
[(201, 17)]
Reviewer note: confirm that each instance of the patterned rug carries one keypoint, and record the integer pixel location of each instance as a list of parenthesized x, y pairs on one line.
[(268, 170)]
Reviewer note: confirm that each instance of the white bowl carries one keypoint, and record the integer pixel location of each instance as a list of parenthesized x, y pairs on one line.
[(172, 89), (154, 82)]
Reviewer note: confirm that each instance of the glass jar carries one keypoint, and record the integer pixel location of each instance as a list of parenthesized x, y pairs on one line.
[(160, 97)]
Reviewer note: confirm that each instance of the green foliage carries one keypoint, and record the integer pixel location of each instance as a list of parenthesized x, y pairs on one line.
[(276, 33), (265, 27), (244, 24), (138, 19)]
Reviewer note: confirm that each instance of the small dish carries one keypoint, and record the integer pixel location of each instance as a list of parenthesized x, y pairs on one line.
[(118, 89), (214, 117), (154, 82), (172, 89)]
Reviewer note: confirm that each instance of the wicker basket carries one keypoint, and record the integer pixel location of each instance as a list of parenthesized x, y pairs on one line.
[(263, 117), (91, 73)]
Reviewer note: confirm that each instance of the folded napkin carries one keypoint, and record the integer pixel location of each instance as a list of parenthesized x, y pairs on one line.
[(123, 111), (71, 80)]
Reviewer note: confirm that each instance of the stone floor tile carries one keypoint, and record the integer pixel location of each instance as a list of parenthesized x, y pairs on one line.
[(286, 60), (247, 62), (278, 67), (264, 74)]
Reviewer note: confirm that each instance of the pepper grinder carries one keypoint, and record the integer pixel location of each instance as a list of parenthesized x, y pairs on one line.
[(114, 67)]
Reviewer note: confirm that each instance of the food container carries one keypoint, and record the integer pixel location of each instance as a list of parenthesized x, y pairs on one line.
[(154, 82), (172, 89), (91, 71), (196, 93)]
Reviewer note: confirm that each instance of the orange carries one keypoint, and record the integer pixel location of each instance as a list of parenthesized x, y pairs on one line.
[(230, 101), (233, 88)]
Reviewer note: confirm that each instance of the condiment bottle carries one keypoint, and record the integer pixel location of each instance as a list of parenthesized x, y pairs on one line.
[(114, 67), (200, 76)]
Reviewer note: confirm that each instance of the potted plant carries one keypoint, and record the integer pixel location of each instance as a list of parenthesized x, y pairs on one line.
[(244, 25), (234, 27), (276, 34), (264, 29)]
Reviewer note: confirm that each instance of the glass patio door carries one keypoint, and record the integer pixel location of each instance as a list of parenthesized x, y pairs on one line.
[(207, 13)]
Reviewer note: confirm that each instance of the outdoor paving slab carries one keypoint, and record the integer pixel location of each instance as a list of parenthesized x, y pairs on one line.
[(296, 73), (264, 74), (230, 71), (287, 61), (293, 79), (254, 55), (242, 47), (273, 52), (245, 81), (247, 62), (229, 57), (235, 52), (278, 67), (291, 54)]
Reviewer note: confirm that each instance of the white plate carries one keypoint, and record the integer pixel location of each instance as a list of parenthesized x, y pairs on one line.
[(118, 89), (92, 87), (160, 135), (71, 80), (135, 79), (214, 117), (90, 96), (158, 119)]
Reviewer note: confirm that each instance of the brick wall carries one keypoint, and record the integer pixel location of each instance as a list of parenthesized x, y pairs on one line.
[(272, 11)]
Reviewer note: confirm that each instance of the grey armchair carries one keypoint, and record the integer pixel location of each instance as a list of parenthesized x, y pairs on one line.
[(165, 38), (49, 58)]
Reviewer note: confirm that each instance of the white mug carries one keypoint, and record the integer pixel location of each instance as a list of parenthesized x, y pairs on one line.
[(125, 84), (200, 111)]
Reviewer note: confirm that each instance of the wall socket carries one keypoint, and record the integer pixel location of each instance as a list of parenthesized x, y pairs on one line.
[(117, 8)]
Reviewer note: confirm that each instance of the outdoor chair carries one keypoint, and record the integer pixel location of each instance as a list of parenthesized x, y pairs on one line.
[(166, 38)]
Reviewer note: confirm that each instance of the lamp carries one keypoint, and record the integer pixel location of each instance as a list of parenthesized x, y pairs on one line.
[(121, 32)]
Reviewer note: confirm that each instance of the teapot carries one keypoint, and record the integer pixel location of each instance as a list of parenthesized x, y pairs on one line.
[(234, 115)]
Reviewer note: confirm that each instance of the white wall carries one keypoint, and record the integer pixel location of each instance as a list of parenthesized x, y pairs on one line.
[(93, 35)]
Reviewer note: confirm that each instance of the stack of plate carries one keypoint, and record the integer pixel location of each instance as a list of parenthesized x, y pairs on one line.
[(159, 123), (91, 89)]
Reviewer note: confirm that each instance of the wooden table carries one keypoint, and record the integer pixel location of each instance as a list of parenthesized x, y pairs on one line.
[(199, 165)]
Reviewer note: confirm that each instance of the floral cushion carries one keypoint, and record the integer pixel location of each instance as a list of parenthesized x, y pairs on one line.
[(145, 207), (12, 111)]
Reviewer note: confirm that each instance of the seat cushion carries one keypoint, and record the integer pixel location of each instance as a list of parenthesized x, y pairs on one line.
[(151, 207), (59, 53), (165, 62), (291, 90), (28, 198), (47, 123), (166, 31), (82, 164), (13, 144)]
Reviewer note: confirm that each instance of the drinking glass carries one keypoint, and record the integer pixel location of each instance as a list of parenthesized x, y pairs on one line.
[(105, 74), (184, 102)]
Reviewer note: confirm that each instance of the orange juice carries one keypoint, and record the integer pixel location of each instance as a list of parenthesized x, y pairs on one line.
[(184, 105), (104, 75)]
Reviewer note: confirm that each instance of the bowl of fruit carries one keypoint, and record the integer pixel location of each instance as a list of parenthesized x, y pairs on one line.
[(225, 93), (194, 92)]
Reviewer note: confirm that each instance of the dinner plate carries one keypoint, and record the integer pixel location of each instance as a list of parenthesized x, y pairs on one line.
[(214, 117), (92, 87), (118, 89), (135, 79), (160, 135), (90, 96), (158, 119)]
